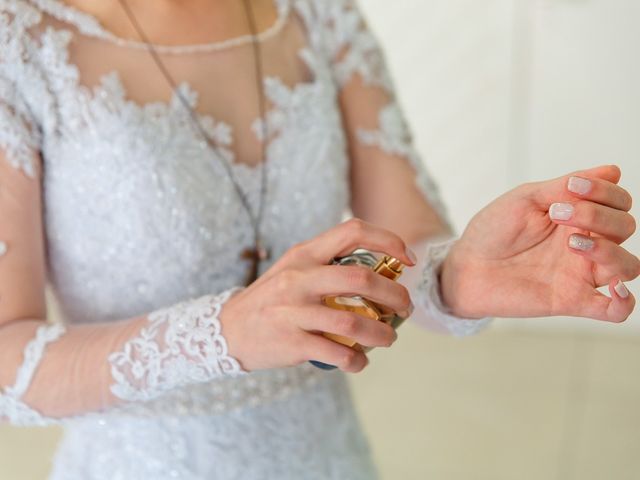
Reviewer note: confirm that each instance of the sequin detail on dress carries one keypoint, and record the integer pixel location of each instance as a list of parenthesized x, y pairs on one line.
[(183, 344)]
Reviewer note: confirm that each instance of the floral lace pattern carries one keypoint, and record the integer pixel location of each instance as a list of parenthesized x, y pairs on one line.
[(354, 47), (183, 344)]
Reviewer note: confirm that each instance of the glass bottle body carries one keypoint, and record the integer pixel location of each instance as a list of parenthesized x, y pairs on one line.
[(387, 266)]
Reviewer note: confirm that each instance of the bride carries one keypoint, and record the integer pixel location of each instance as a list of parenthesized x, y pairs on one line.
[(181, 174)]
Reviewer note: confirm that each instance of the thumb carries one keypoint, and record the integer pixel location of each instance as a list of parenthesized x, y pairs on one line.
[(615, 308)]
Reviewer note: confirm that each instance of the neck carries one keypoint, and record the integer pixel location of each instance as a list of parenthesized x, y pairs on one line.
[(175, 22)]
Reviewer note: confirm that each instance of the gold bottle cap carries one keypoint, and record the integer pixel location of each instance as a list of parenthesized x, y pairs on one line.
[(389, 266)]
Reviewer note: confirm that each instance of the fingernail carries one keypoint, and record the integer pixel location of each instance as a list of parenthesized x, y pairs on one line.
[(580, 242), (561, 211), (621, 290), (406, 313), (412, 255), (579, 185)]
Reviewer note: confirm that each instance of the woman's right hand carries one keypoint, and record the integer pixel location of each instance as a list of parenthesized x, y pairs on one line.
[(277, 320)]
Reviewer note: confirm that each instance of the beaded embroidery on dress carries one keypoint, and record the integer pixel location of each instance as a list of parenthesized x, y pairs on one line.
[(139, 216)]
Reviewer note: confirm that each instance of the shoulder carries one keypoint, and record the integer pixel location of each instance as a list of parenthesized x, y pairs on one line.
[(336, 14), (340, 22), (351, 44)]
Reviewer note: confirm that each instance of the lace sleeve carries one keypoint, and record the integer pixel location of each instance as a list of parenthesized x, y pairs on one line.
[(99, 366), (381, 134)]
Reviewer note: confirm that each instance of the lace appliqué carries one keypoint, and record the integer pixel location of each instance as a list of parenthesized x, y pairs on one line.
[(429, 290), (183, 344), (12, 407), (18, 136), (355, 46)]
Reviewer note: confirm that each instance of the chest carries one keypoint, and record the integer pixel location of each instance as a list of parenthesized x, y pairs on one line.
[(138, 206)]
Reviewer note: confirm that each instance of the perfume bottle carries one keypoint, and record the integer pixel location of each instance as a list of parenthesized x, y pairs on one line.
[(388, 266)]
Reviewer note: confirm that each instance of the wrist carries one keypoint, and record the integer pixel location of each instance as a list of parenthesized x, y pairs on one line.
[(232, 327), (451, 273)]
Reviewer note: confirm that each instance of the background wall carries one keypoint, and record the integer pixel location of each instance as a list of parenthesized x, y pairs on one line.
[(498, 92)]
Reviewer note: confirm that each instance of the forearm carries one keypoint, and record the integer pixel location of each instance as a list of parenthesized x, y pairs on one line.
[(93, 367), (73, 375)]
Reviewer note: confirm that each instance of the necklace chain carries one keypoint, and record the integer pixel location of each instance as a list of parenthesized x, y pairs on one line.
[(259, 252)]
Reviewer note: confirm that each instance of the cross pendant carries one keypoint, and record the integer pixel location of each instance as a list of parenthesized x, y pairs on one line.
[(254, 255)]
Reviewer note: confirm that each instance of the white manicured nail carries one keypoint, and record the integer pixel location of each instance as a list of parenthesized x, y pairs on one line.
[(579, 185), (580, 242), (621, 290), (3, 248), (561, 211)]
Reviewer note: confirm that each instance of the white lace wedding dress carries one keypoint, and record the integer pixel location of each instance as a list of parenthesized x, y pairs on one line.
[(142, 232)]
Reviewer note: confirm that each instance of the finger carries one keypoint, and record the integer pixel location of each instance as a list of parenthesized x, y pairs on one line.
[(622, 301), (599, 191), (350, 280), (356, 233), (546, 192), (364, 330), (609, 222), (320, 348), (616, 308), (612, 259), (610, 173)]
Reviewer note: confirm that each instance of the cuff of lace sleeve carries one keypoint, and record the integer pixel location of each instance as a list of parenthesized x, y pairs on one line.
[(229, 364), (429, 288), (181, 345)]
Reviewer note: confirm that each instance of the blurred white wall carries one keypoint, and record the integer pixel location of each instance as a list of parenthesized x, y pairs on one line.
[(499, 92)]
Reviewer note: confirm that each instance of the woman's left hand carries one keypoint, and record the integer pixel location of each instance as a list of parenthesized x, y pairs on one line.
[(543, 248)]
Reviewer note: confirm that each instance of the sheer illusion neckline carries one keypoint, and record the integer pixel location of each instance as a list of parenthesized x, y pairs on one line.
[(89, 25)]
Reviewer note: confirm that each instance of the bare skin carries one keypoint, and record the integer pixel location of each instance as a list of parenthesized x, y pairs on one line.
[(180, 22)]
